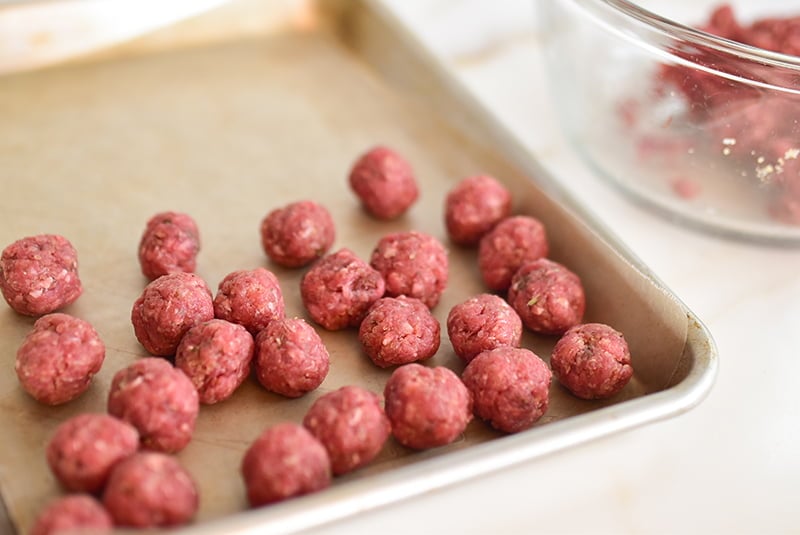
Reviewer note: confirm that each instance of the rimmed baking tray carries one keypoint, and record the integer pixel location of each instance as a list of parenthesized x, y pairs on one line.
[(226, 127)]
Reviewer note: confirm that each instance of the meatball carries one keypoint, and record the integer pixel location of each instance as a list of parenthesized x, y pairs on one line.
[(84, 449), (384, 182), (509, 386), (170, 243), (290, 357), (473, 207), (427, 407), (251, 298), (296, 234), (412, 264), (399, 330), (284, 461), (481, 323), (351, 425), (58, 358), (39, 274), (216, 357), (592, 361), (507, 246), (150, 489), (339, 289), (548, 297), (158, 400), (76, 513), (168, 307)]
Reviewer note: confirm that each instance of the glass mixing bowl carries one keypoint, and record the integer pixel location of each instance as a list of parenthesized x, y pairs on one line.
[(702, 127)]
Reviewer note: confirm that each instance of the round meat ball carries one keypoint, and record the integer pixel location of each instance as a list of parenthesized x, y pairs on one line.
[(412, 264), (150, 489), (427, 407), (169, 244), (84, 449), (58, 358), (298, 233), (351, 425), (481, 323), (284, 461), (251, 298), (168, 307), (216, 357), (158, 400), (514, 241), (290, 357), (399, 330), (339, 289), (473, 207), (548, 297), (384, 182), (39, 274), (510, 387), (75, 513), (592, 361)]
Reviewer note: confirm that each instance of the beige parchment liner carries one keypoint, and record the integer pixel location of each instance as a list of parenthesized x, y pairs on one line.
[(227, 133)]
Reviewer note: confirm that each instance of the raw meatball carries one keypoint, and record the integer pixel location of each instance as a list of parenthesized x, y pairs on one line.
[(39, 274), (216, 356), (399, 330), (548, 297), (150, 489), (251, 298), (284, 461), (158, 400), (473, 207), (507, 246), (384, 182), (339, 289), (352, 426), (298, 233), (412, 264), (510, 387), (84, 449), (168, 307), (170, 243), (427, 407), (76, 513), (592, 361), (58, 358), (290, 357), (480, 323)]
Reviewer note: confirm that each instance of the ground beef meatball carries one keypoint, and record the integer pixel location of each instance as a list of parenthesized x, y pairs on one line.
[(548, 297), (296, 234), (473, 207), (168, 307), (510, 387), (284, 461), (170, 243), (76, 513), (384, 182), (592, 361), (150, 489), (290, 357), (481, 323), (158, 400), (413, 264), (58, 358), (399, 330), (216, 357), (514, 241), (84, 449), (339, 289), (39, 274), (251, 298), (427, 407)]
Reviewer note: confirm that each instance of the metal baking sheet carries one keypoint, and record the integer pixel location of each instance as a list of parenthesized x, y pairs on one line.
[(228, 130)]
